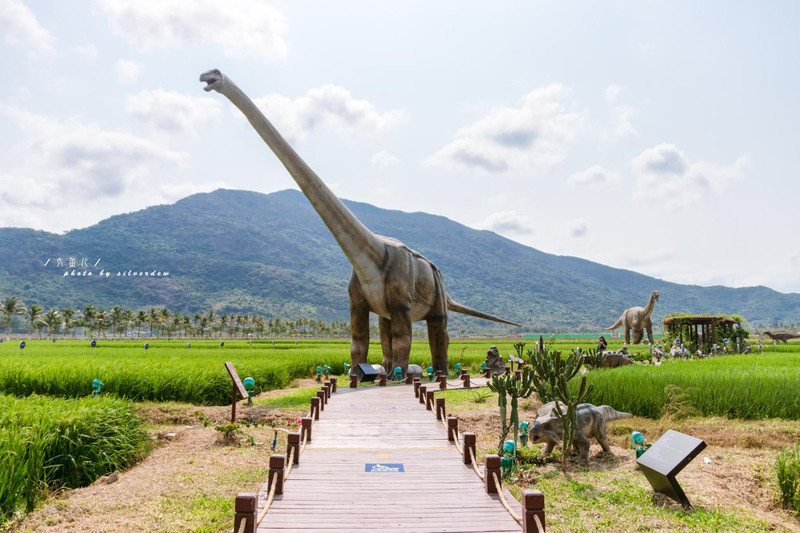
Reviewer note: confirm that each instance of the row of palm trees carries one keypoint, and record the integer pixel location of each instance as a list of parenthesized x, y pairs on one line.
[(159, 322)]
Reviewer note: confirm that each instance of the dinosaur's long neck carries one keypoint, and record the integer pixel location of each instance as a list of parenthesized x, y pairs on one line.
[(358, 243), (650, 305)]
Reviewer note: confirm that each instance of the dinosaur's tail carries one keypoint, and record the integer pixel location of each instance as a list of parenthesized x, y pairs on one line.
[(609, 413), (464, 310), (617, 324)]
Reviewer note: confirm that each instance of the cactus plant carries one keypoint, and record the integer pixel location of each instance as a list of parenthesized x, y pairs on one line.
[(509, 385)]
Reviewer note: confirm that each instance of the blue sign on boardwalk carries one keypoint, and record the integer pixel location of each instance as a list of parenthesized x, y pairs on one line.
[(383, 467)]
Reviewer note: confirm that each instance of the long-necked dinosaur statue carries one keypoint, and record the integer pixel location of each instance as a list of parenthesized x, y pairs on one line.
[(637, 319), (389, 278), (781, 337)]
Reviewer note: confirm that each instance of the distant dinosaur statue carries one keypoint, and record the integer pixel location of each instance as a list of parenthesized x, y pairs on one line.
[(389, 278), (637, 319), (781, 337)]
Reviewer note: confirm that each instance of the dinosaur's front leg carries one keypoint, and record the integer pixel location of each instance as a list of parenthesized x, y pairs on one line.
[(627, 334), (385, 328), (401, 338), (359, 323)]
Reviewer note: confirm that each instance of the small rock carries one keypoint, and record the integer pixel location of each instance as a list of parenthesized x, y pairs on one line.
[(170, 436), (113, 478)]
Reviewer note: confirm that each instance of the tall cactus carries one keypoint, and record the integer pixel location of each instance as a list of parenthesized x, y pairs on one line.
[(509, 385), (553, 373)]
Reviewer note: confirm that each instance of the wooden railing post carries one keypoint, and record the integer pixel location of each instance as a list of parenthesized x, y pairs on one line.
[(492, 466), (246, 509), (382, 381), (409, 379), (277, 465), (321, 396), (465, 378), (293, 443), (417, 384), (429, 400), (438, 375), (469, 446), (442, 382), (334, 381), (452, 428), (315, 401), (327, 386), (422, 393), (305, 427), (353, 381), (532, 505), (439, 408)]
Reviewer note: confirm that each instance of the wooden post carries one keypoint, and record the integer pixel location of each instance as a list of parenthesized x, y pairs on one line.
[(487, 373), (315, 407), (277, 465), (439, 408), (452, 428), (327, 386), (333, 384), (321, 396), (237, 388), (429, 400), (492, 465), (324, 391), (467, 384), (464, 372), (438, 375), (409, 379), (293, 443), (417, 385), (422, 393), (382, 382), (246, 509), (442, 382), (305, 426), (532, 505), (353, 381), (233, 404), (469, 444)]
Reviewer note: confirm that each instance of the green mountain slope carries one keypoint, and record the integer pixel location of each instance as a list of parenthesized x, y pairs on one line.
[(243, 251)]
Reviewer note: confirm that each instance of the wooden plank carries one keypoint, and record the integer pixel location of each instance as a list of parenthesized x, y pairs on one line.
[(331, 491), (236, 381)]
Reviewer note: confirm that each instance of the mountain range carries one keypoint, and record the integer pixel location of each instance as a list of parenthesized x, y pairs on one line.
[(241, 251)]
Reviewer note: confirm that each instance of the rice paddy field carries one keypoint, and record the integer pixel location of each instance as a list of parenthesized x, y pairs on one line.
[(54, 434)]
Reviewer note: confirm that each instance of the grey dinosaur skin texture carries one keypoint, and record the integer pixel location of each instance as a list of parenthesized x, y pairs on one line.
[(781, 337), (389, 278), (591, 424), (636, 320)]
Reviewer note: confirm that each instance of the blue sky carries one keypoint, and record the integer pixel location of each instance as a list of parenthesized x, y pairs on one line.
[(655, 136)]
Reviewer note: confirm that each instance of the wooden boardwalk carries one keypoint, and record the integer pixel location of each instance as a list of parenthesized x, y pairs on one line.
[(330, 490)]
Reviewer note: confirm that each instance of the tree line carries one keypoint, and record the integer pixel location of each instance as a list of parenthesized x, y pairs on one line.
[(159, 323)]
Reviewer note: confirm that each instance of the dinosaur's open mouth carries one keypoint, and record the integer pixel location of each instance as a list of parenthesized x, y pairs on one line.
[(210, 78)]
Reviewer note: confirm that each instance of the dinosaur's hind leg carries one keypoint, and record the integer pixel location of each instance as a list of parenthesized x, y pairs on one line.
[(439, 341), (401, 339)]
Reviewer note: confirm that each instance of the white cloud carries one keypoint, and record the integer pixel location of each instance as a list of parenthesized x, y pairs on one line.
[(384, 159), (238, 26), (530, 138), (577, 228), (612, 92), (507, 223), (330, 106), (20, 26), (666, 176), (127, 71), (62, 162), (594, 177), (173, 112), (621, 116)]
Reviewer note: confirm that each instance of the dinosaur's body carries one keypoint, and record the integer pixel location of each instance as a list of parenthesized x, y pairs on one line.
[(591, 424), (781, 337), (389, 279), (637, 320)]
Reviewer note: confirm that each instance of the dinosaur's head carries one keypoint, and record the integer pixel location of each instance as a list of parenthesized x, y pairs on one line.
[(655, 293), (536, 434), (214, 80)]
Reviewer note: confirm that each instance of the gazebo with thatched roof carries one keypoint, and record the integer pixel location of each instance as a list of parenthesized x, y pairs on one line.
[(703, 331)]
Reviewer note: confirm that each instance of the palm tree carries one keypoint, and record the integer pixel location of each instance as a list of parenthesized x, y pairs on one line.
[(34, 315), (141, 318), (223, 322), (152, 319), (68, 314), (11, 307), (116, 318), (101, 322), (53, 320), (89, 318)]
